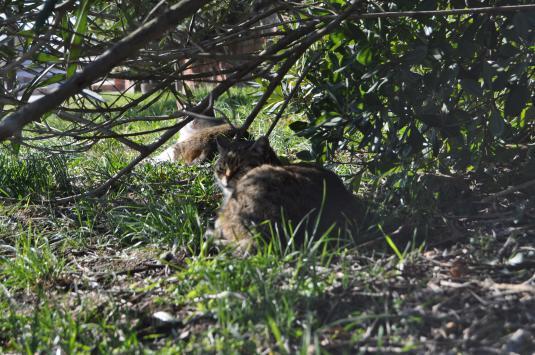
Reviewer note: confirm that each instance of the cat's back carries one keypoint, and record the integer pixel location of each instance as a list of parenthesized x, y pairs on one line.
[(201, 145), (287, 177), (297, 188), (199, 125), (197, 143)]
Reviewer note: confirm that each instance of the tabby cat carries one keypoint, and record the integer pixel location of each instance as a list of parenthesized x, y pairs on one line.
[(196, 142), (258, 188)]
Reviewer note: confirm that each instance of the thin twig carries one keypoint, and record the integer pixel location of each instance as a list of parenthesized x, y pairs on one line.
[(292, 93), (100, 67), (475, 10), (508, 191)]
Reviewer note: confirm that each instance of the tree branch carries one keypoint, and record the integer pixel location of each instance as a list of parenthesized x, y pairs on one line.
[(474, 10), (74, 118), (100, 67), (292, 93)]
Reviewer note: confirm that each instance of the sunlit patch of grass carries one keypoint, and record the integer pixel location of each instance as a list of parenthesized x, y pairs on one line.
[(280, 299), (30, 261), (51, 327), (262, 298), (167, 203), (35, 175), (269, 300)]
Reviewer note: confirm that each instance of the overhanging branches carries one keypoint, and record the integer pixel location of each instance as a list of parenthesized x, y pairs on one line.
[(100, 67), (129, 45)]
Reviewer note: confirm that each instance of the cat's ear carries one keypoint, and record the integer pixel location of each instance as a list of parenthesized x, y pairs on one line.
[(260, 145), (223, 144)]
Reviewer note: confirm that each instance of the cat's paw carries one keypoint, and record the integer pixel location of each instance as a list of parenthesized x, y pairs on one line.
[(238, 248), (243, 248)]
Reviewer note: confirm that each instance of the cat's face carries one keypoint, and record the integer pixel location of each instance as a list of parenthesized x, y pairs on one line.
[(236, 158)]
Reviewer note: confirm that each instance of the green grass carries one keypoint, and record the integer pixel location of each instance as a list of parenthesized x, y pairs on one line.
[(58, 264), (266, 301), (38, 175), (155, 209), (92, 276)]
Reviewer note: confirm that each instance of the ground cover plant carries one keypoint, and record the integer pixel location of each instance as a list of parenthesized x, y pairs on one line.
[(425, 109)]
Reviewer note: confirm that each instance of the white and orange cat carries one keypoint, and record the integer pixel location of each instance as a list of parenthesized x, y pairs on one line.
[(196, 143)]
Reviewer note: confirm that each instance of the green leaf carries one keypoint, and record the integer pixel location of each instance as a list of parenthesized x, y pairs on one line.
[(334, 121), (27, 34), (467, 47), (430, 119), (277, 334), (500, 82), (472, 87), (392, 245), (65, 34), (415, 139), (298, 126), (364, 56), (427, 5), (56, 78), (522, 25), (80, 28), (35, 83), (338, 39), (417, 55), (497, 124), (305, 155), (516, 100), (46, 58)]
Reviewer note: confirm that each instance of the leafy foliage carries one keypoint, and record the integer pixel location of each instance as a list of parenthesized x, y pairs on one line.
[(441, 91)]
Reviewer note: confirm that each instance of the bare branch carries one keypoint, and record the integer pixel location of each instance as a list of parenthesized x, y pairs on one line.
[(296, 87), (474, 10), (100, 67), (73, 118)]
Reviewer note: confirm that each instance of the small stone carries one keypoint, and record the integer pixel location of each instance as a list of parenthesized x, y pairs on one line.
[(516, 260), (164, 317), (184, 335), (519, 342), (451, 325)]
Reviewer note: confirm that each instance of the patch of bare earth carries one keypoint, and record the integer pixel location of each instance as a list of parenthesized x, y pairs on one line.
[(471, 290)]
